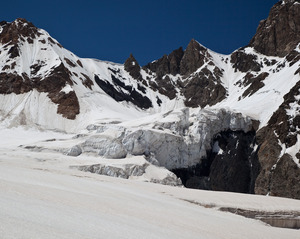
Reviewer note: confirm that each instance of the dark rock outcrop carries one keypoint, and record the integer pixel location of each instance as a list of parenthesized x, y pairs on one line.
[(164, 86), (14, 32), (232, 165), (131, 94), (254, 83), (180, 62), (18, 30), (194, 57), (205, 88), (132, 67), (200, 89), (280, 32), (68, 104), (236, 168), (287, 125), (11, 83), (285, 178), (279, 175), (244, 62), (168, 64)]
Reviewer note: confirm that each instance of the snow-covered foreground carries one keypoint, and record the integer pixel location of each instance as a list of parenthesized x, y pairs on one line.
[(42, 197)]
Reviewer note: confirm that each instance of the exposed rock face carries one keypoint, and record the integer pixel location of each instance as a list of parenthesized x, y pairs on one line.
[(128, 94), (165, 86), (68, 104), (285, 178), (205, 88), (268, 155), (167, 64), (11, 83), (231, 164), (285, 121), (279, 136), (280, 32), (181, 62), (20, 29), (235, 166), (132, 66), (244, 62), (254, 83), (193, 58), (200, 88)]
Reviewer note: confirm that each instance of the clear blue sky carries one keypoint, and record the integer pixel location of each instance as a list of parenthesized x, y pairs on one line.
[(112, 29)]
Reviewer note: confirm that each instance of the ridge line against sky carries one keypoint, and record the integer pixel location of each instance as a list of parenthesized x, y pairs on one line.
[(111, 30)]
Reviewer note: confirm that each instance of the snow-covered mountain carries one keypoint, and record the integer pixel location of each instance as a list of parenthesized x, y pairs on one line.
[(219, 122)]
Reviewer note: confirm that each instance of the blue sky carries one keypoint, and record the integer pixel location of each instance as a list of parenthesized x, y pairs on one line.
[(111, 30)]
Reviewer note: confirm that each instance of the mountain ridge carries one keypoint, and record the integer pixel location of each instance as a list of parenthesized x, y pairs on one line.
[(46, 86)]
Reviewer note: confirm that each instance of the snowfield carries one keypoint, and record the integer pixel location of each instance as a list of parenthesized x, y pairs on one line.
[(42, 197)]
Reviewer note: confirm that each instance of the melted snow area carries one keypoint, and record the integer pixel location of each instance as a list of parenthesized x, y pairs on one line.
[(42, 196)]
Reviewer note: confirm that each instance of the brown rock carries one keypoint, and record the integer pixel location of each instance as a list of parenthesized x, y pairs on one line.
[(175, 58), (166, 87), (280, 32), (286, 178), (11, 83), (132, 67), (68, 105), (168, 64), (244, 62), (287, 127), (19, 29), (193, 58), (255, 83), (268, 154), (87, 82), (203, 89)]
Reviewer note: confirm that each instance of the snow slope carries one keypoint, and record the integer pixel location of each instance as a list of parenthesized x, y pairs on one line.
[(41, 197), (263, 103), (40, 56)]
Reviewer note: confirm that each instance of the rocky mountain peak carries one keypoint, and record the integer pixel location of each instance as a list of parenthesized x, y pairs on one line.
[(280, 32), (193, 58), (132, 67), (19, 29), (168, 64)]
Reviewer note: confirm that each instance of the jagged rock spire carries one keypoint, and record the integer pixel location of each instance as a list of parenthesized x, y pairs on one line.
[(168, 64), (193, 57), (132, 67)]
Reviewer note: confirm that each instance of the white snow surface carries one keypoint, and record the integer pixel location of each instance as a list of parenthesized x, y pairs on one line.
[(42, 197), (36, 110), (263, 103)]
